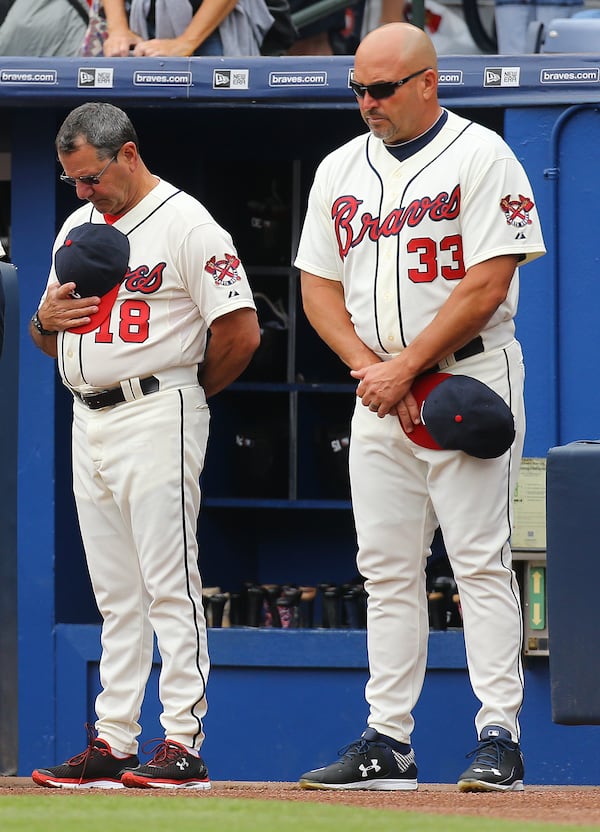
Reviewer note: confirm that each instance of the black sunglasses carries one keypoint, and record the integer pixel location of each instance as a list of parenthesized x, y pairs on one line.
[(88, 179), (384, 89)]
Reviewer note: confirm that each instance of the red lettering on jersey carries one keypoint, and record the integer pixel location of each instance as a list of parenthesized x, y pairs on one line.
[(144, 279), (342, 213), (444, 206)]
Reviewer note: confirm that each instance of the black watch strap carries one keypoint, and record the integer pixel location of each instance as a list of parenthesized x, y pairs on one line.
[(38, 325)]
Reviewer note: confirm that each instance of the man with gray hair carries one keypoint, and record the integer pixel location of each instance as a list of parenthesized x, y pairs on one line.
[(141, 275)]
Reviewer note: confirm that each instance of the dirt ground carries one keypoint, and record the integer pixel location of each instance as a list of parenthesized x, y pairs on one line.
[(575, 805)]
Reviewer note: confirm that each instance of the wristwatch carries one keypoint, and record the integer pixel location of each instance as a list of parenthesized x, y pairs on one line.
[(38, 325)]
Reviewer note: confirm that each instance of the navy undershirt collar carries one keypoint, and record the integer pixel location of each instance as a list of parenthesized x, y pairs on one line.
[(406, 149)]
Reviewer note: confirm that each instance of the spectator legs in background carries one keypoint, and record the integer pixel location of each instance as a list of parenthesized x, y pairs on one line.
[(513, 20)]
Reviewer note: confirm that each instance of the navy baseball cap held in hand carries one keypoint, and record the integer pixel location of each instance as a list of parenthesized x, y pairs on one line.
[(94, 256), (461, 413)]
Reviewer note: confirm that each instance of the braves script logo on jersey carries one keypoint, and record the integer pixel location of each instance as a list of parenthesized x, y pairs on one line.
[(224, 272), (444, 206), (517, 211), (145, 280)]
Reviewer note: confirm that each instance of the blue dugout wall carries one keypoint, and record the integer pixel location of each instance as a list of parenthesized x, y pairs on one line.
[(290, 699), (9, 395)]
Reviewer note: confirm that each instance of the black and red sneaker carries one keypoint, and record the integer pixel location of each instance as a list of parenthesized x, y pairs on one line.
[(171, 767), (96, 767)]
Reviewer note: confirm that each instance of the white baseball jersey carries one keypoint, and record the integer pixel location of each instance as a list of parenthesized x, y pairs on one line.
[(401, 234), (183, 273), (137, 465)]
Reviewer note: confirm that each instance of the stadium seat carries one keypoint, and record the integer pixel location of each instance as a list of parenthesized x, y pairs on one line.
[(571, 34)]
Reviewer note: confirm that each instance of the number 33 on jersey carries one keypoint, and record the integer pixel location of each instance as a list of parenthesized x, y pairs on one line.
[(400, 229)]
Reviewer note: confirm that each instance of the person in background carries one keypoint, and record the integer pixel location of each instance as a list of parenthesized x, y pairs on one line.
[(133, 348), (409, 260), (44, 28), (514, 19), (4, 7), (180, 28), (336, 33)]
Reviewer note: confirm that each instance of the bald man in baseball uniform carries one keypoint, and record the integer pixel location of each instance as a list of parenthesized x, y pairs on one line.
[(410, 256), (129, 348)]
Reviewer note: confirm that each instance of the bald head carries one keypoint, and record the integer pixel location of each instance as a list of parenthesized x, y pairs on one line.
[(393, 51), (397, 52), (402, 42)]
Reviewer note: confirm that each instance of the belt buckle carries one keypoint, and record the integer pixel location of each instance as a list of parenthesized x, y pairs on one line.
[(449, 361), (93, 401), (92, 396)]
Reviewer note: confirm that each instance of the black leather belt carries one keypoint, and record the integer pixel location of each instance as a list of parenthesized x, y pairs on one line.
[(108, 398), (474, 347)]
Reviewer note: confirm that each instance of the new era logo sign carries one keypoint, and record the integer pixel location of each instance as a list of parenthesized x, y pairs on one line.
[(86, 78), (95, 77), (222, 79), (501, 76), (231, 79)]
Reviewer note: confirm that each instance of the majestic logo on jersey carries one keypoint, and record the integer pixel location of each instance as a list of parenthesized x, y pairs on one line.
[(145, 279), (517, 210), (224, 272), (444, 206)]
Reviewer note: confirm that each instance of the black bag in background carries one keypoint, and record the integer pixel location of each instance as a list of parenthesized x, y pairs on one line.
[(6, 4), (282, 33), (269, 362), (83, 13)]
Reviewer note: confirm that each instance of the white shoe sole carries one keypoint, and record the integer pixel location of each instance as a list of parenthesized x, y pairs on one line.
[(153, 784), (369, 785), (99, 784), (482, 786)]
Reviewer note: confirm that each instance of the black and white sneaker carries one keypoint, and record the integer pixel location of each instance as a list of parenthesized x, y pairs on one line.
[(373, 762), (171, 767), (497, 765), (96, 767)]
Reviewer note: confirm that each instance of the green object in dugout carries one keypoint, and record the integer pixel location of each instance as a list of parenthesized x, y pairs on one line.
[(537, 598)]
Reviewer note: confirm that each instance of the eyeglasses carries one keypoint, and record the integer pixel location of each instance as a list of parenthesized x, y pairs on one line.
[(384, 89), (88, 179)]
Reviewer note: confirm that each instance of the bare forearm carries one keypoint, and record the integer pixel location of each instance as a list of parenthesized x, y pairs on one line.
[(116, 16), (208, 17), (59, 311), (324, 306), (219, 371), (463, 316), (392, 11), (234, 339), (120, 38), (46, 343), (206, 20)]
